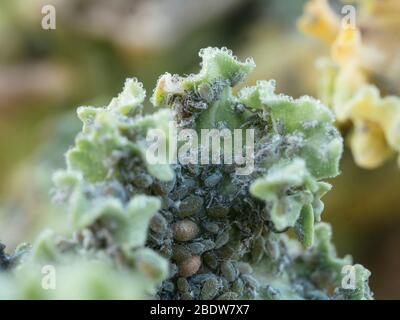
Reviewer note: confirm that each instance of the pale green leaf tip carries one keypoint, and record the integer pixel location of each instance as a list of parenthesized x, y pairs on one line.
[(217, 64)]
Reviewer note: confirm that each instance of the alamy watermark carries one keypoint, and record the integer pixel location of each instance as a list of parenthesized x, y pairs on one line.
[(349, 17), (185, 147), (49, 18), (349, 277), (49, 277)]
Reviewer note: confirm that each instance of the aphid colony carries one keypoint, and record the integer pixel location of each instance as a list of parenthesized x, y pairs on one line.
[(201, 231)]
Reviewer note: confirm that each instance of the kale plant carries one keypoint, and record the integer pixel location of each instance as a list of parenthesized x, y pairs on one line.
[(141, 229)]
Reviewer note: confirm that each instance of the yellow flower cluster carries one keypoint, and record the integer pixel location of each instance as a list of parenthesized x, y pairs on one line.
[(350, 82)]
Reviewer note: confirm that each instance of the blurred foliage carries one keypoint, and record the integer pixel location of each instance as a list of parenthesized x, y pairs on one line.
[(360, 78)]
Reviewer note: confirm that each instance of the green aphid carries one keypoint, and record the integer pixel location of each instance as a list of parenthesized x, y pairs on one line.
[(210, 288), (229, 271), (222, 239), (190, 206), (258, 249), (218, 211), (183, 285), (211, 227), (211, 260), (238, 286)]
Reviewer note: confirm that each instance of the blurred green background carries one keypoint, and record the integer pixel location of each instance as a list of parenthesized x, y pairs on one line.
[(46, 74)]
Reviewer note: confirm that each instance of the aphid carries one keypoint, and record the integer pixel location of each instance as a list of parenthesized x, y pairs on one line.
[(158, 224), (190, 205), (168, 286), (186, 296), (201, 277), (165, 202), (185, 230), (180, 252), (142, 180), (229, 168), (210, 289), (205, 92), (180, 192), (196, 291), (208, 244), (250, 281), (211, 227), (190, 183), (272, 248), (196, 248), (230, 250), (210, 259), (229, 271), (183, 285), (237, 77), (218, 211), (270, 292), (224, 284), (163, 187), (155, 238), (201, 214), (189, 266), (244, 268), (168, 215), (239, 107), (200, 105), (193, 169), (222, 239), (218, 86), (166, 251), (238, 286), (257, 250), (173, 270), (212, 180)]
